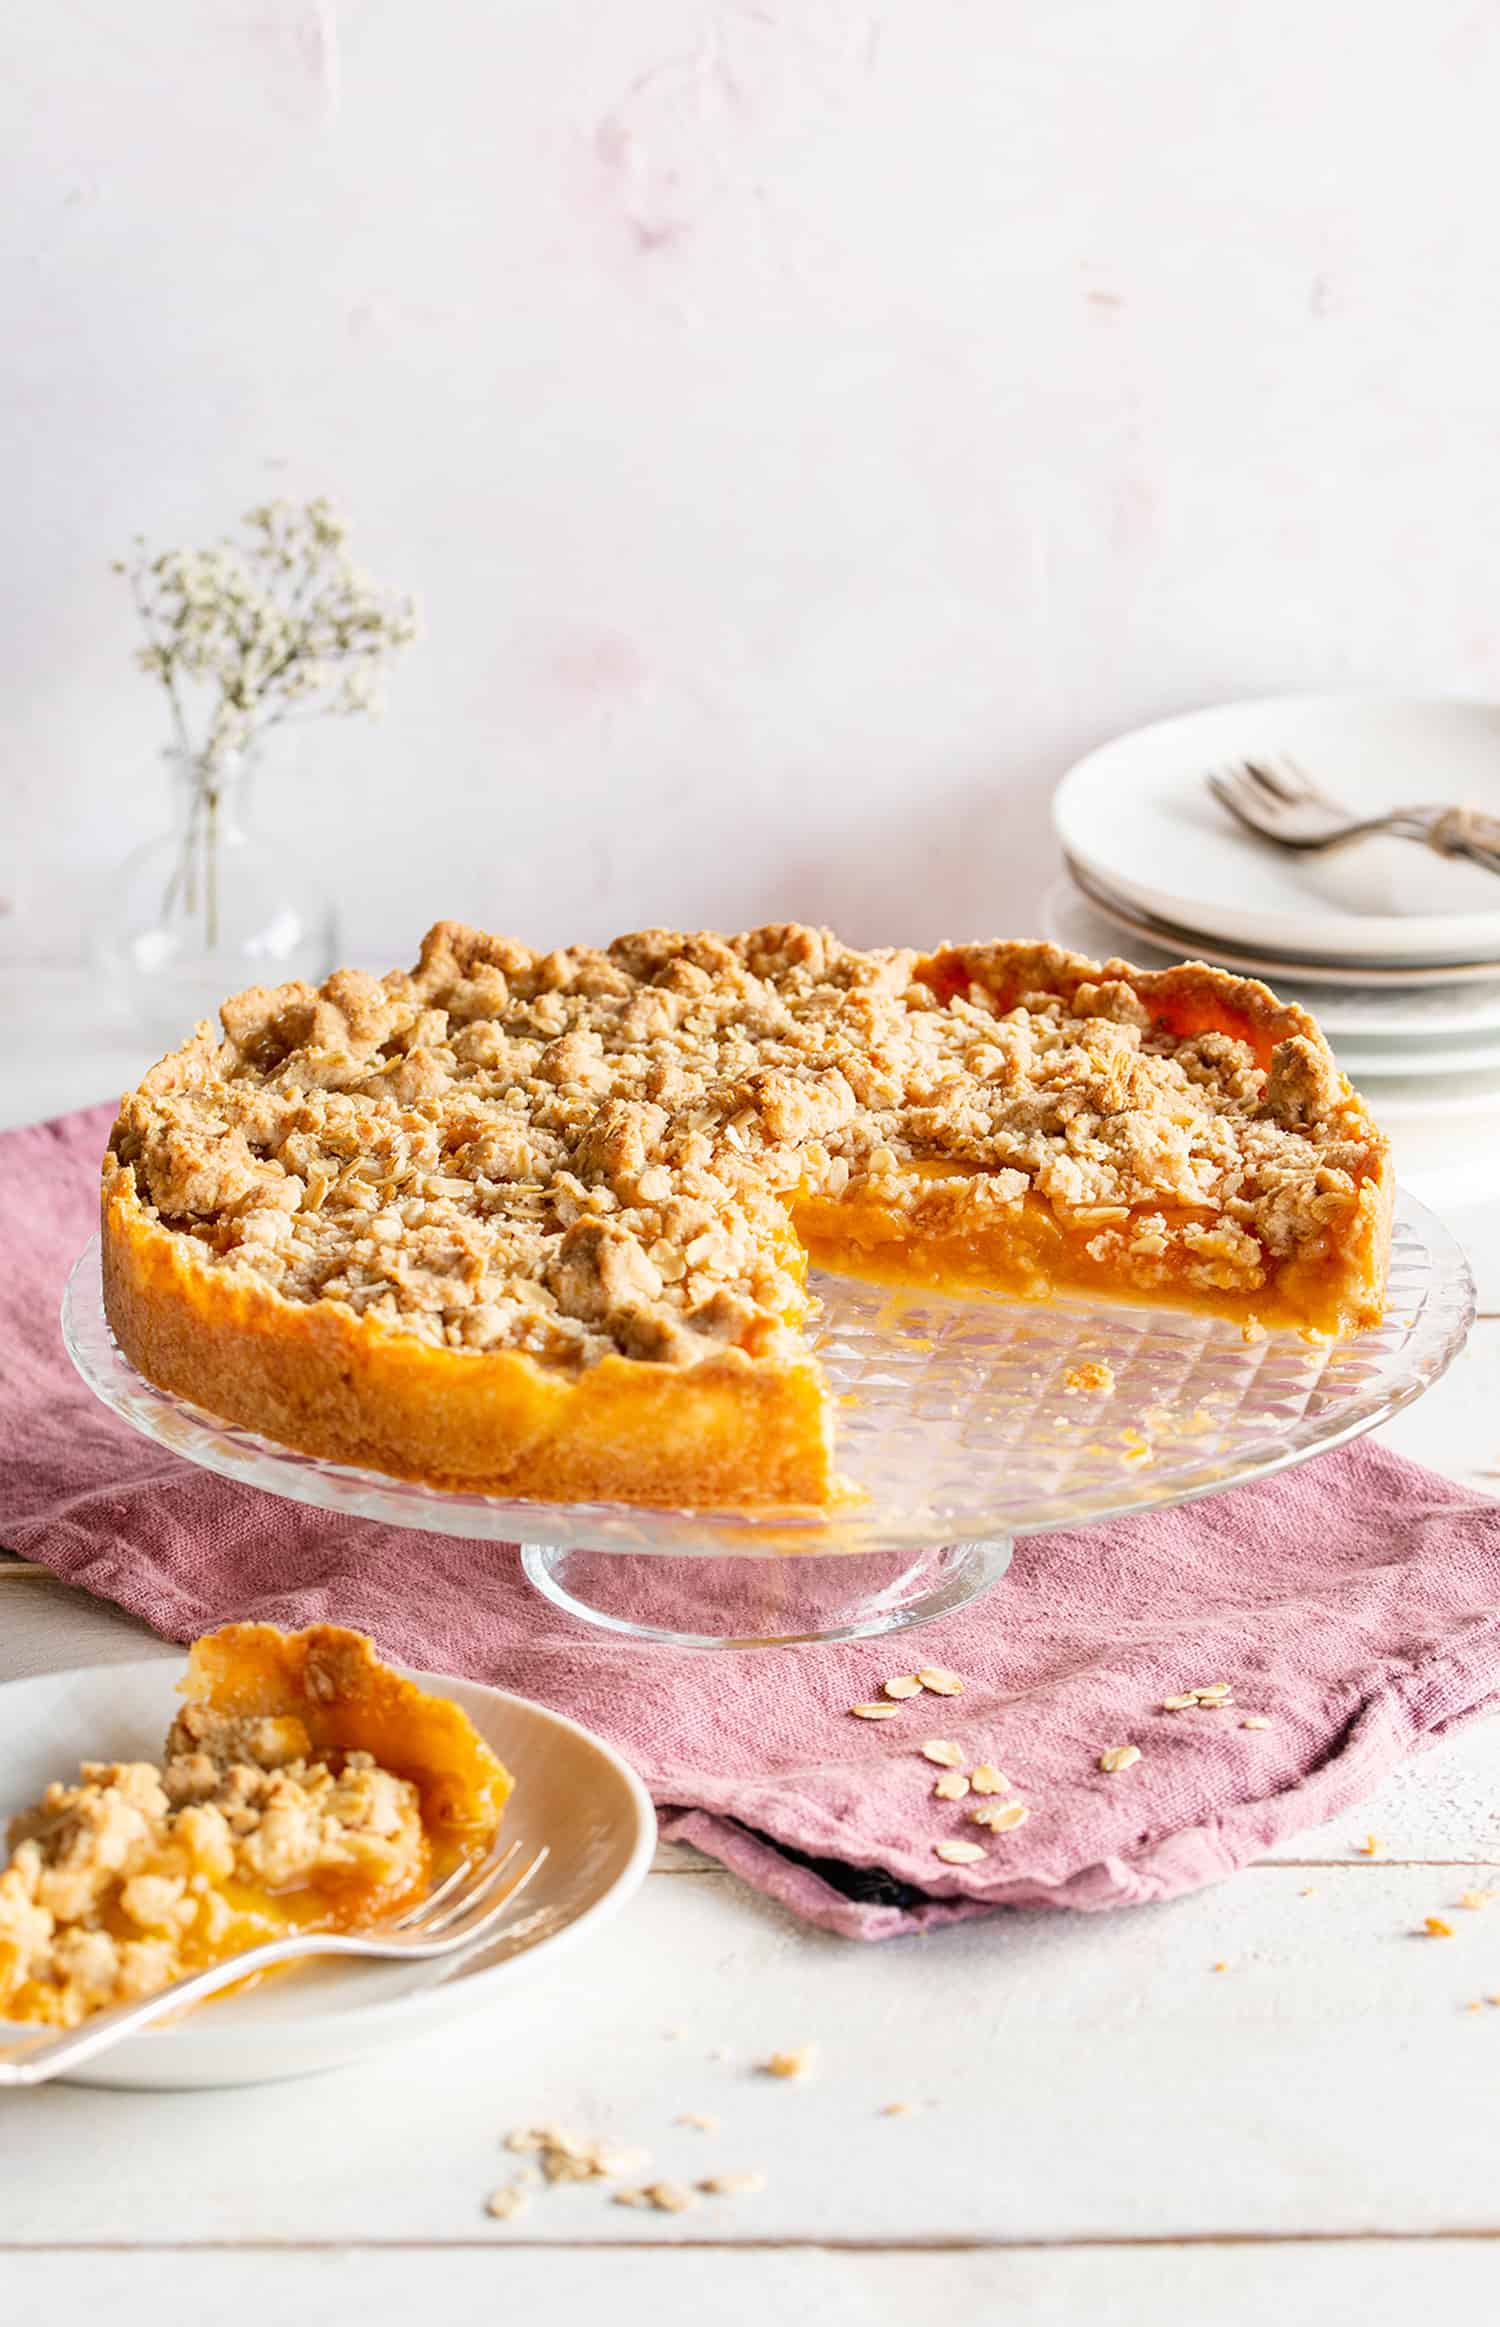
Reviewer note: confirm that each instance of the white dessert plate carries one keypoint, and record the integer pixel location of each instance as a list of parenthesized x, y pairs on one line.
[(1138, 816), (1424, 1003), (572, 1792)]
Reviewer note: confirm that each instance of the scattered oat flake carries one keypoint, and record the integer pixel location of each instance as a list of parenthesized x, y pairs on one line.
[(874, 1712), (951, 1786), (1118, 1757), (699, 2118), (958, 1853), (1436, 1928), (509, 2199), (731, 2185), (1215, 1691), (1000, 1817), (989, 1780), (568, 2157), (1180, 1704), (903, 1685), (941, 1683), (942, 1751), (1475, 1899), (1255, 1721), (666, 2197), (789, 2064)]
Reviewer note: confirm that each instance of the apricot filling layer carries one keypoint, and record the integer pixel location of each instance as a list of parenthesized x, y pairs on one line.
[(539, 1223)]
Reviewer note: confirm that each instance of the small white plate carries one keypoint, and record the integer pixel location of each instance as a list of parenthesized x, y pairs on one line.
[(572, 1792), (1138, 816), (1421, 1011)]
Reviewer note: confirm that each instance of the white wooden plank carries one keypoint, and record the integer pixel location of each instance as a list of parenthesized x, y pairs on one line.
[(1082, 2078), (1362, 2283)]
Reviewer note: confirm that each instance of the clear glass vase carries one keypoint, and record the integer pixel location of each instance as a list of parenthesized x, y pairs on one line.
[(209, 907)]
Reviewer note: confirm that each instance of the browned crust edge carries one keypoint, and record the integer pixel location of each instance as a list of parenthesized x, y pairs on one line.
[(1191, 996), (727, 1434), (335, 1683)]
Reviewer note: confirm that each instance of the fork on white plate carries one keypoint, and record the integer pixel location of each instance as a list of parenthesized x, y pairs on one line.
[(458, 1914), (1278, 802)]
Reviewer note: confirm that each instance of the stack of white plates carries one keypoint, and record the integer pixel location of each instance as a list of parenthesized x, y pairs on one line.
[(1393, 948)]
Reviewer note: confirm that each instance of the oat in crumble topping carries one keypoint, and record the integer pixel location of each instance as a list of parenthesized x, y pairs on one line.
[(579, 1152), (116, 1884)]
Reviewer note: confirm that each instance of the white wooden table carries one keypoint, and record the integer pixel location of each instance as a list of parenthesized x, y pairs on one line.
[(1103, 2126)]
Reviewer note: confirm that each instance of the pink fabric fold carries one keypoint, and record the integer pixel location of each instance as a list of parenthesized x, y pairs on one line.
[(1352, 1603)]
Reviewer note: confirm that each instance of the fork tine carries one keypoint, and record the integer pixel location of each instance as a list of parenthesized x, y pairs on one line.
[(1308, 789), (1243, 805), (483, 1913), (456, 1892), (455, 1877), (1289, 792), (1287, 783)]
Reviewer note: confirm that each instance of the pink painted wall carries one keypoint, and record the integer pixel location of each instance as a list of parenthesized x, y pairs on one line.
[(808, 426)]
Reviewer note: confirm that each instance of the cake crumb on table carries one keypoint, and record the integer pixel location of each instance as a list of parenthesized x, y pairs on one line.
[(665, 2197), (794, 2063)]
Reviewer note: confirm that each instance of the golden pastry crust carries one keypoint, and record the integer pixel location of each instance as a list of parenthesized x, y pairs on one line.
[(538, 1223)]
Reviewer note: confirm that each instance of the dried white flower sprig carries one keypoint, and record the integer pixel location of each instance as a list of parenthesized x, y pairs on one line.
[(279, 625)]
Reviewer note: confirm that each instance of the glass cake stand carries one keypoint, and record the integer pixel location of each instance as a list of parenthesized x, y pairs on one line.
[(961, 1425)]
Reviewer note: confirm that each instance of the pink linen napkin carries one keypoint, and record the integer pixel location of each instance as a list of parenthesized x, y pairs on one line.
[(1352, 1603)]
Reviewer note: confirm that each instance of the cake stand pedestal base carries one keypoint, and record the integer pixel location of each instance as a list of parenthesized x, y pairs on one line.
[(709, 1601)]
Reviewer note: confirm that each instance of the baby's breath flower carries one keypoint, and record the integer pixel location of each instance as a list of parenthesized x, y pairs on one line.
[(242, 631)]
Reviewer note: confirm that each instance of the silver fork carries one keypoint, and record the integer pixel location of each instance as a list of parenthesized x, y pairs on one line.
[(1276, 801), (458, 1913)]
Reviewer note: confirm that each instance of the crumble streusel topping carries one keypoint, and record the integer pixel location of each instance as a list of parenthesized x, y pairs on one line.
[(116, 1883), (579, 1152)]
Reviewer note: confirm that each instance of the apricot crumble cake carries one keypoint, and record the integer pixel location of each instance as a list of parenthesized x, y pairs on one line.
[(304, 1786), (539, 1223)]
